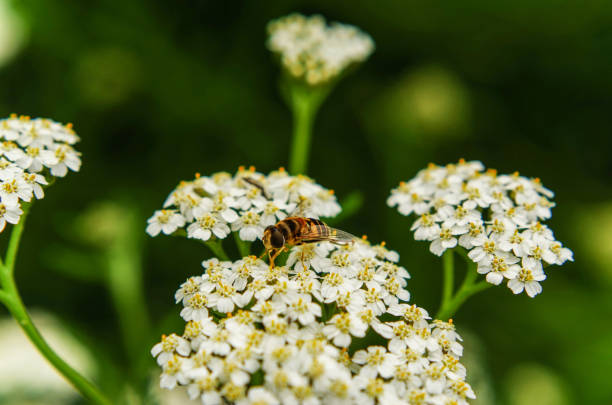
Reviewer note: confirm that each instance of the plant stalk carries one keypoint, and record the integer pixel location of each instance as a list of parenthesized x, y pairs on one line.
[(11, 298), (217, 248), (304, 101), (303, 119), (468, 288), (448, 281)]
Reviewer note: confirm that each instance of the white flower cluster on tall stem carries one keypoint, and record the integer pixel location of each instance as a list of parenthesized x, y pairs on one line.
[(497, 218), (214, 206), (315, 52), (296, 334), (30, 150)]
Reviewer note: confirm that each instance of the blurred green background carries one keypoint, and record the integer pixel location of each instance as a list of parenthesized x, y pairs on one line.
[(161, 90)]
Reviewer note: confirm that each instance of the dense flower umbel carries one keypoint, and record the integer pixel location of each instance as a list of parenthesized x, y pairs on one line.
[(315, 52), (295, 334), (497, 218), (30, 150), (216, 205)]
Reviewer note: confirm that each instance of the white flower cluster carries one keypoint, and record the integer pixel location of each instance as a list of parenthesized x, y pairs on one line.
[(246, 203), (296, 334), (497, 218), (31, 147), (315, 52)]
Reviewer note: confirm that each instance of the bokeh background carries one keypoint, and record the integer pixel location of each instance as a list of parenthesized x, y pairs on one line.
[(159, 90)]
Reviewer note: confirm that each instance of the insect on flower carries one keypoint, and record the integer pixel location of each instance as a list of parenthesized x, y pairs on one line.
[(297, 230), (293, 231)]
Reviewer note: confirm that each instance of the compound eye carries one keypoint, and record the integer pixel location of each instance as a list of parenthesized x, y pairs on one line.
[(276, 239)]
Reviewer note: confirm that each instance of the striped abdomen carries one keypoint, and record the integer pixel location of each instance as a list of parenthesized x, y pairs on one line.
[(298, 230)]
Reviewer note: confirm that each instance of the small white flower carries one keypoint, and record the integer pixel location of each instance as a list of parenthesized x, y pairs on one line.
[(35, 181), (446, 239), (309, 255), (259, 396), (249, 226), (485, 252), (273, 211), (539, 233), (11, 151), (458, 216), (206, 225), (324, 204), (291, 326), (411, 313), (425, 228), (188, 288), (376, 361), (436, 379), (195, 307), (61, 158), (169, 346), (477, 196), (374, 391), (10, 214), (527, 279), (26, 147), (492, 216), (174, 372), (311, 50), (225, 298), (417, 203), (500, 266), (303, 309), (561, 253), (31, 160), (166, 221), (334, 285), (342, 326), (14, 189), (245, 203), (475, 235), (204, 384)]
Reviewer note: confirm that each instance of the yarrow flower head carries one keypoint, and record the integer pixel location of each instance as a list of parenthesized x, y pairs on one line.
[(297, 333), (32, 150), (246, 203), (498, 219), (315, 52)]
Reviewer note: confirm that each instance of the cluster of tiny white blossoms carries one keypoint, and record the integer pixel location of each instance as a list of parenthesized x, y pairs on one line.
[(246, 202), (497, 218), (332, 325), (315, 52), (31, 149)]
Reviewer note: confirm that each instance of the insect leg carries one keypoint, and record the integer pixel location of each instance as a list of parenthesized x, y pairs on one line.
[(273, 254)]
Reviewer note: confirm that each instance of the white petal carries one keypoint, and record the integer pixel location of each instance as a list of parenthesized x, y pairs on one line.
[(516, 286), (494, 277), (533, 288)]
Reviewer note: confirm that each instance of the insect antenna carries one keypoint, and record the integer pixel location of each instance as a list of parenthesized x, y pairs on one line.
[(258, 185)]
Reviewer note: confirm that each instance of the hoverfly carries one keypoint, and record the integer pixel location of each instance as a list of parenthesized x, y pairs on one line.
[(297, 230)]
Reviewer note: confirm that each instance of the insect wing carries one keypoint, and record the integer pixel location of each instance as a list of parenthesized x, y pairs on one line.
[(336, 236), (341, 237)]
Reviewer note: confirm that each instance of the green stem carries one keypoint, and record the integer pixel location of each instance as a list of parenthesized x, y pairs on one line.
[(448, 282), (127, 293), (10, 297), (468, 288), (303, 119), (4, 297), (471, 274), (217, 248), (244, 247), (304, 101), (13, 246)]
